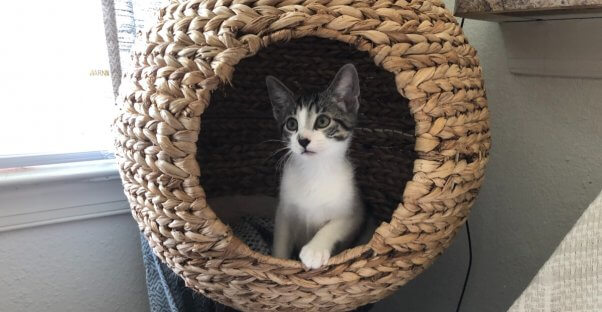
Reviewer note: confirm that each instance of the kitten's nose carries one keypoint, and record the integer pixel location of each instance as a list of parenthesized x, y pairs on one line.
[(303, 142)]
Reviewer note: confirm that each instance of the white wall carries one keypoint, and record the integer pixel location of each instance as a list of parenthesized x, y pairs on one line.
[(90, 265)]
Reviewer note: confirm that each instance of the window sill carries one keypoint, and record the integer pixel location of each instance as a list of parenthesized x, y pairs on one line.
[(40, 195)]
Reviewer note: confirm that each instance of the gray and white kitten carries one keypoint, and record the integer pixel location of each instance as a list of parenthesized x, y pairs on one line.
[(319, 207)]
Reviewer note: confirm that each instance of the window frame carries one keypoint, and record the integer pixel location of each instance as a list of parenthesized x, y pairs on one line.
[(40, 189), (60, 192), (28, 160)]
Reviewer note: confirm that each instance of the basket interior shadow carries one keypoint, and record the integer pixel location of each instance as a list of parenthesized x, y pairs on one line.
[(237, 150)]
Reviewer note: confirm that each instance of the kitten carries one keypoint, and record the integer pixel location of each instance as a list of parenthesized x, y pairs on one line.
[(319, 208)]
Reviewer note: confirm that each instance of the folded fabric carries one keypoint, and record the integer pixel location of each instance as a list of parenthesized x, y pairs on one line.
[(571, 280)]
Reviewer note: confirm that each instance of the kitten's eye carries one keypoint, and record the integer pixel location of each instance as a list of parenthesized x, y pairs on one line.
[(322, 122), (291, 124)]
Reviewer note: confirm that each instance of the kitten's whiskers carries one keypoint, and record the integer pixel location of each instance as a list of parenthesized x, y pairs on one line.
[(282, 161)]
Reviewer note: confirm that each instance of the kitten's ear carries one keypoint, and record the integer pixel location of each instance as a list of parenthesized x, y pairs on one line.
[(280, 97), (346, 88)]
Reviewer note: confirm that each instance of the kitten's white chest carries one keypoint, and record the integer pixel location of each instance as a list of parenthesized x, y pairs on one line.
[(318, 193)]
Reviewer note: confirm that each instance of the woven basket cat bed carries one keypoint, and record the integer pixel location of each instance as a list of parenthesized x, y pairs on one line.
[(196, 123)]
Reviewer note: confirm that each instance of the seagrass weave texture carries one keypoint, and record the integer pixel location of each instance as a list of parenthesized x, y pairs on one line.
[(195, 122)]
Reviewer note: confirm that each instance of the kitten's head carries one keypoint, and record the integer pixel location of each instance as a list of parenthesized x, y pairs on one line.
[(317, 124)]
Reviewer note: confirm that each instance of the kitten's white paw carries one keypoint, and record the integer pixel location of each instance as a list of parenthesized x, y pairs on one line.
[(314, 257)]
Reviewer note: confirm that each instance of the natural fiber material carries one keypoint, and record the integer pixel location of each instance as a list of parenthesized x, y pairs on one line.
[(195, 122)]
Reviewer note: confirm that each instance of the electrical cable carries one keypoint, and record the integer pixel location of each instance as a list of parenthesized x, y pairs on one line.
[(469, 246), (468, 269)]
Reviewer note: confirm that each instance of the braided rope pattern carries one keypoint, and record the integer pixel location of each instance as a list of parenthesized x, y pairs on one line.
[(194, 48)]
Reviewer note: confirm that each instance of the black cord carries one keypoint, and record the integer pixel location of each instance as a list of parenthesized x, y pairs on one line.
[(469, 244), (468, 269)]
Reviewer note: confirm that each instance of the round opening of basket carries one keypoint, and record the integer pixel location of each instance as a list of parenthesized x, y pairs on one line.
[(239, 149), (196, 124)]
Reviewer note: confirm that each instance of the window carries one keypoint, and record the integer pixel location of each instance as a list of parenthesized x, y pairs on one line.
[(57, 95), (57, 86)]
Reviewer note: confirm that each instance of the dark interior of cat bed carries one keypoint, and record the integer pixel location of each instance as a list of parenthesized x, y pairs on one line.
[(238, 144)]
